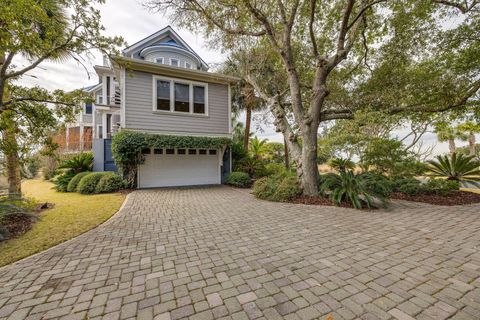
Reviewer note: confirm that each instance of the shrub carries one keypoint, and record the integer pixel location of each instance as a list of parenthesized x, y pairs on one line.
[(287, 189), (274, 168), (88, 184), (61, 181), (398, 184), (79, 163), (441, 186), (254, 167), (378, 184), (412, 189), (73, 184), (341, 164), (239, 179), (352, 188), (280, 187), (110, 182)]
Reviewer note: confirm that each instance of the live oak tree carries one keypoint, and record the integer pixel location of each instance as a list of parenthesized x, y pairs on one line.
[(340, 55), (32, 32)]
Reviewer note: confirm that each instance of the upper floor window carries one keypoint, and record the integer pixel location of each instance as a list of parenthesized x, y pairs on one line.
[(88, 108), (159, 60), (174, 62), (188, 65), (180, 96)]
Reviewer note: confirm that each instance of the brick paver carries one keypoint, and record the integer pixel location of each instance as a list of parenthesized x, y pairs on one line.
[(218, 253)]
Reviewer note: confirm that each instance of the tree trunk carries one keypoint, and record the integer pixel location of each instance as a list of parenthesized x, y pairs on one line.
[(471, 143), (248, 121), (451, 146), (287, 157), (12, 162), (308, 169)]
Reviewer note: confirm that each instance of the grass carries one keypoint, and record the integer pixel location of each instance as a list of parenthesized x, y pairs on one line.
[(72, 215), (471, 190)]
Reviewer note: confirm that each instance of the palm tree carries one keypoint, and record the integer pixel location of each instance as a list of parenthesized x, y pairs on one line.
[(447, 133), (257, 147), (244, 98), (456, 167), (470, 128)]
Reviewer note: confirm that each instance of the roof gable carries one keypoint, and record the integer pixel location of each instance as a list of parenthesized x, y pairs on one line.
[(165, 36)]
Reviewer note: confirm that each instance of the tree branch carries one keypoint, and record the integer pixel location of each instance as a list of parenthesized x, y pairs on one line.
[(460, 102), (463, 8)]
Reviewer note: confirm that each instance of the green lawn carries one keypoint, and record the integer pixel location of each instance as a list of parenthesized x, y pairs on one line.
[(470, 190), (73, 214)]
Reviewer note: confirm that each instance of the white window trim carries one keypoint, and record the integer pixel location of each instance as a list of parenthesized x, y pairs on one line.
[(161, 59), (176, 59), (172, 82), (189, 65)]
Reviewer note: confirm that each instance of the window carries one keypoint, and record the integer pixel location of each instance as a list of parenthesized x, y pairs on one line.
[(163, 95), (181, 151), (202, 151), (157, 151), (159, 60), (100, 132), (88, 108), (182, 97), (146, 151), (174, 62), (188, 65), (192, 151), (99, 100), (198, 99), (170, 151), (212, 152)]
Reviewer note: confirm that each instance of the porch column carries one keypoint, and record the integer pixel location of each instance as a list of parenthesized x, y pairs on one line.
[(81, 137)]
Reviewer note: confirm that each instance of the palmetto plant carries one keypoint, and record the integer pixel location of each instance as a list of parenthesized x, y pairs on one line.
[(257, 147), (79, 163), (341, 164), (350, 187), (13, 207), (456, 167)]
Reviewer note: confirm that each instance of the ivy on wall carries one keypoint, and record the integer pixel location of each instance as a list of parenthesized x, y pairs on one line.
[(127, 148)]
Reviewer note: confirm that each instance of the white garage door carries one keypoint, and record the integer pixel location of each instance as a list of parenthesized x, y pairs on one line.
[(186, 167)]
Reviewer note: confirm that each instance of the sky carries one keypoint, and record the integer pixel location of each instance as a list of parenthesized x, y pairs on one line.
[(133, 22)]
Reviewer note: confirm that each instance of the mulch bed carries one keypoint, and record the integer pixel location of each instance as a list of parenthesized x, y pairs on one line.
[(319, 201), (454, 198), (18, 225)]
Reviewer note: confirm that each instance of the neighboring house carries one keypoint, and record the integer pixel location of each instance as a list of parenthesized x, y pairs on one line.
[(79, 134), (160, 85)]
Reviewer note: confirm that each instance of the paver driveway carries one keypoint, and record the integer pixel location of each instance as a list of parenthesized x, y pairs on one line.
[(218, 253)]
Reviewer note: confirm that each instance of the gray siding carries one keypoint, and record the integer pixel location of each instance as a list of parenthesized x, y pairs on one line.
[(139, 114), (167, 55)]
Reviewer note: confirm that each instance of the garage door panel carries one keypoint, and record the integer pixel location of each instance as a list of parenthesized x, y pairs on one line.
[(162, 170)]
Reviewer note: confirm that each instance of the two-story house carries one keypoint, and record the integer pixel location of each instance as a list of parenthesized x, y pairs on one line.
[(161, 86)]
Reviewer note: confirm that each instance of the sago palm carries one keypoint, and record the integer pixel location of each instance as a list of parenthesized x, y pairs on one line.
[(79, 163), (456, 167), (353, 188), (341, 164)]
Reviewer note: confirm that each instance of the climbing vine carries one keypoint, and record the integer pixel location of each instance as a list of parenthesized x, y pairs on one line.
[(127, 148)]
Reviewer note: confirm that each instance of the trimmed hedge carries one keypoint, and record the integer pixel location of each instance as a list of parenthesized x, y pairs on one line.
[(239, 179), (110, 182), (88, 184), (73, 184), (280, 187)]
